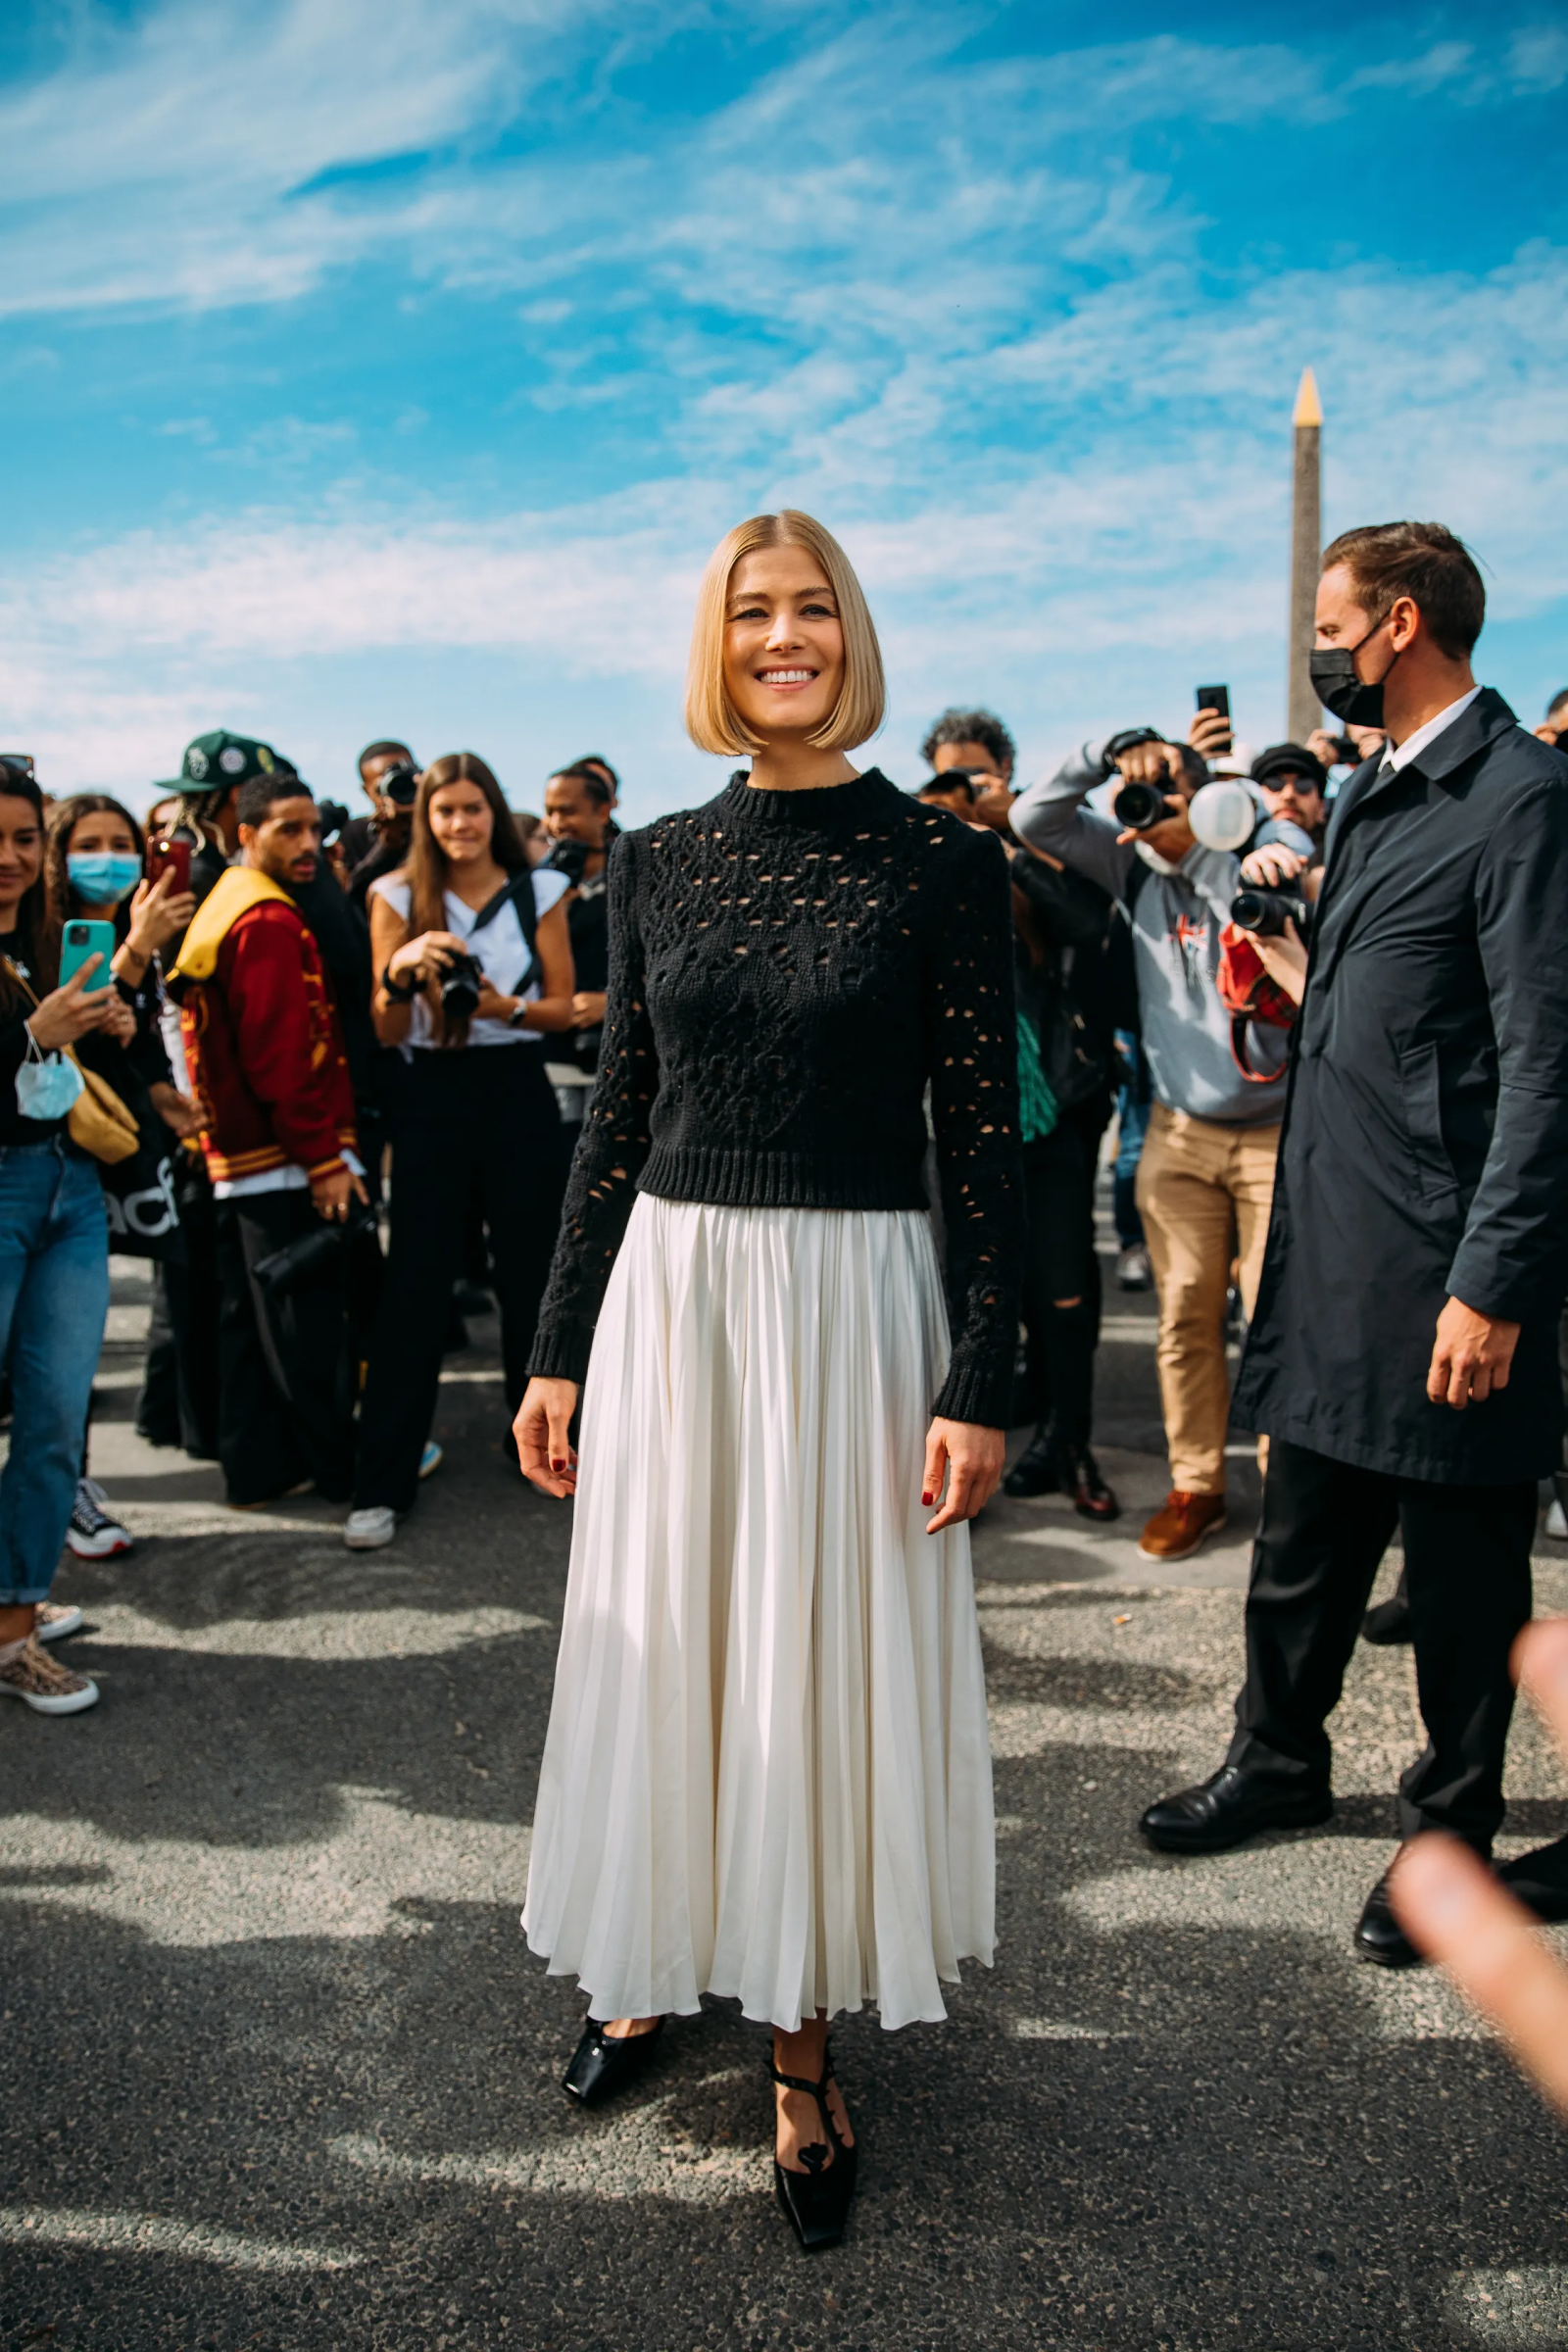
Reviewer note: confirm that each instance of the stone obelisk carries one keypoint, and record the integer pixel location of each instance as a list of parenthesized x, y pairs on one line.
[(1304, 713)]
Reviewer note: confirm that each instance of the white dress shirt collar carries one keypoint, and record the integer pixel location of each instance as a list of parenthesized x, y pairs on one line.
[(1396, 759)]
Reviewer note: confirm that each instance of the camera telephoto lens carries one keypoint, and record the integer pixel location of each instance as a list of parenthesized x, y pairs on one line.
[(1266, 913), (1140, 805), (400, 786), (459, 989)]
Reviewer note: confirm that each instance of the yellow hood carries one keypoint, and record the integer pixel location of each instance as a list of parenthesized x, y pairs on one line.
[(236, 891)]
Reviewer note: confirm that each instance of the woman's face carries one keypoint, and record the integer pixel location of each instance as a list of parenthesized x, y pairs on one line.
[(783, 643), (100, 832), (21, 853), (460, 821)]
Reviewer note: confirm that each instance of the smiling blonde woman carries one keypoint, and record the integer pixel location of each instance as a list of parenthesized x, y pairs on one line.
[(768, 1774)]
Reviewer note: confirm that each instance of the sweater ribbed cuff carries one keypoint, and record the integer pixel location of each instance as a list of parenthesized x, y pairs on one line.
[(561, 1353), (981, 1393)]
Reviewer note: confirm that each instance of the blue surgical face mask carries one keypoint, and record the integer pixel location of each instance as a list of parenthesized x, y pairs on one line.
[(103, 877), (46, 1089)]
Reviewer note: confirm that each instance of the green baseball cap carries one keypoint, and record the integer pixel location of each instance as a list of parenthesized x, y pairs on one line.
[(213, 763)]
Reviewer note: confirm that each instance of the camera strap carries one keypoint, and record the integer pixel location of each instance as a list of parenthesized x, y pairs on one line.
[(518, 894)]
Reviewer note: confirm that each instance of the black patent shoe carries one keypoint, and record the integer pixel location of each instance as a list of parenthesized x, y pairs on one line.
[(1231, 1806), (817, 2199), (1078, 1475), (604, 2063), (1037, 1470), (1539, 1881), (1379, 1936), (1390, 1621)]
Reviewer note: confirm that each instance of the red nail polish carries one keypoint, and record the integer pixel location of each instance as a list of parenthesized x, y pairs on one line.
[(558, 1465), (928, 1498)]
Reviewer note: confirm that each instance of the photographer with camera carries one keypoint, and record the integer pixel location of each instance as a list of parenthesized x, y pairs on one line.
[(1206, 1173), (580, 802), (475, 958), (978, 744), (377, 845), (263, 1050)]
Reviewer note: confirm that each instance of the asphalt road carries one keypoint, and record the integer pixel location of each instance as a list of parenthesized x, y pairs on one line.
[(277, 2070)]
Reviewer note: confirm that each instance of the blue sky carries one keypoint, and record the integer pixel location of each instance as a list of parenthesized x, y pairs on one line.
[(390, 365)]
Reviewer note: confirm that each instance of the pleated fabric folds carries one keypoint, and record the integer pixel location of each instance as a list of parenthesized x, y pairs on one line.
[(767, 1773)]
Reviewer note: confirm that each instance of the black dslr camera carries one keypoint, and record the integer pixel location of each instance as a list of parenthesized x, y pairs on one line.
[(1139, 807), (399, 785), (461, 984), (569, 858), (1266, 913)]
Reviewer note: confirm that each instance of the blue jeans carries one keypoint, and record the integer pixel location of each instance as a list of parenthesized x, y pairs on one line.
[(1132, 1123), (54, 1297)]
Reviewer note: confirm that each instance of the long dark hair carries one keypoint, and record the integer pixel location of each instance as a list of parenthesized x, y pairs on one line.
[(63, 822), (427, 869), (36, 941)]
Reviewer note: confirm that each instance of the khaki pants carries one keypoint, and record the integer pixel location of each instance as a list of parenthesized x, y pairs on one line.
[(1203, 1192)]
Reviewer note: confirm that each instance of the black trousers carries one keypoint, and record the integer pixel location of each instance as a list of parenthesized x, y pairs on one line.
[(285, 1402), (478, 1112), (1324, 1528), (178, 1400), (1061, 1262)]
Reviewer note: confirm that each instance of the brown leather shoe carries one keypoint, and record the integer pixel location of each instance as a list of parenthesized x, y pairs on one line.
[(1181, 1524)]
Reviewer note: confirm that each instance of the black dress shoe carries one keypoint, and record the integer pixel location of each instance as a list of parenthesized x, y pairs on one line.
[(1232, 1807), (1037, 1470), (1390, 1621), (1078, 1475), (816, 2200), (1379, 1936), (1539, 1881), (605, 2063)]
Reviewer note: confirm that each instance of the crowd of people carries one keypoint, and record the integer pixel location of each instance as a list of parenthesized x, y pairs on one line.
[(326, 1073)]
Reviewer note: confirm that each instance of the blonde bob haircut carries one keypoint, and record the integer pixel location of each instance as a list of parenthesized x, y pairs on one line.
[(712, 719)]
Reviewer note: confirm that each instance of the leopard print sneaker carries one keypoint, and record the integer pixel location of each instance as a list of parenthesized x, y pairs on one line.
[(32, 1674)]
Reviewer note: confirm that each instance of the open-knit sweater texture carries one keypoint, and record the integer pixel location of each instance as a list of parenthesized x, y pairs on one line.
[(788, 973)]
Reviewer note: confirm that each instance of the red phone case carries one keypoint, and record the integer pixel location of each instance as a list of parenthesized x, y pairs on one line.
[(164, 853)]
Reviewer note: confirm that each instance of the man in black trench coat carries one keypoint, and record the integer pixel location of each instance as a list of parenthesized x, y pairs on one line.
[(1402, 1358)]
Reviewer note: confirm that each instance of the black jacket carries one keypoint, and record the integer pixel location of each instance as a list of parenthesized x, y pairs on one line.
[(1425, 1148)]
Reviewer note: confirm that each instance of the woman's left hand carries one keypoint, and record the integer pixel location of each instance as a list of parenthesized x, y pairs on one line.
[(972, 1457), (1283, 959), (493, 1006)]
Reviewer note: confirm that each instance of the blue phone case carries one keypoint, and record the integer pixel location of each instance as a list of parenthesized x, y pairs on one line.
[(75, 950)]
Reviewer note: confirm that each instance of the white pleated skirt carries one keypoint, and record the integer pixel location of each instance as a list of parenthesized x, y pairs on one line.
[(767, 1773)]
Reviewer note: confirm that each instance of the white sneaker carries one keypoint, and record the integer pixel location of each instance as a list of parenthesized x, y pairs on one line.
[(431, 1458), (53, 1620), (368, 1531), (1558, 1522), (92, 1534)]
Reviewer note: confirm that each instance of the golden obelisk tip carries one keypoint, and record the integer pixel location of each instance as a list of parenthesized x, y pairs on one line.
[(1308, 408)]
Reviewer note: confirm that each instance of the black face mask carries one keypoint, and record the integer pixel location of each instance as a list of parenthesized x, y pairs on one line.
[(1354, 699)]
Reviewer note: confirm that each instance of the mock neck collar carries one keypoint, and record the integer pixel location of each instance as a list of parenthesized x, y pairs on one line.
[(817, 808)]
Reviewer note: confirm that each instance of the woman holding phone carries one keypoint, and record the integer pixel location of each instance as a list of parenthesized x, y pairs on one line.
[(767, 1773), (94, 869), (54, 1254)]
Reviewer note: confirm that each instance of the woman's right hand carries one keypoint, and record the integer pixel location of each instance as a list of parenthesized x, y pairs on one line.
[(159, 912), (70, 1013), (425, 957), (541, 1428)]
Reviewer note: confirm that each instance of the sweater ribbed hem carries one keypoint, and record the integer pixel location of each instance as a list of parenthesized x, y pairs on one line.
[(726, 1179)]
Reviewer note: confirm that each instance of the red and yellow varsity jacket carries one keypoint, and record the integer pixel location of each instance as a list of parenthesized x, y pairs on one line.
[(263, 1040)]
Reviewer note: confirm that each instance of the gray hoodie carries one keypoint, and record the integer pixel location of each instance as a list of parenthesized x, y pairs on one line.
[(1176, 920)]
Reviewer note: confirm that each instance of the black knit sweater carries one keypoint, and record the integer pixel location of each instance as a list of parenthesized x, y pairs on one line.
[(787, 971)]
